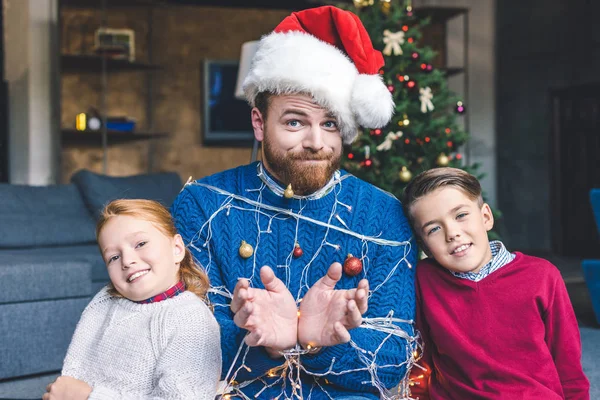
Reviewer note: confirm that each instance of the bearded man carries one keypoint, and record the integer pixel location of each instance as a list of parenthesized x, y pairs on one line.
[(272, 235)]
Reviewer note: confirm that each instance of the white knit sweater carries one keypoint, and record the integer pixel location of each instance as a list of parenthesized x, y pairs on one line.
[(165, 350)]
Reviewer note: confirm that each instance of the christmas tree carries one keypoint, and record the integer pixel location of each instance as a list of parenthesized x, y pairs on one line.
[(424, 132)]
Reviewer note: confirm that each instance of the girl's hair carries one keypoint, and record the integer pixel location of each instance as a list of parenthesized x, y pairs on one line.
[(193, 275)]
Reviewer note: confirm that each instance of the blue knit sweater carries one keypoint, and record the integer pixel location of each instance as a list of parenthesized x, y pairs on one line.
[(213, 225)]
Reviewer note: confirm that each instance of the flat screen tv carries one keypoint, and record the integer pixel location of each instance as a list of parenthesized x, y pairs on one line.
[(226, 120)]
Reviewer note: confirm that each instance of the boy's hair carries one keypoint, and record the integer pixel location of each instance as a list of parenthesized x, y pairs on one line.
[(428, 181), (193, 276)]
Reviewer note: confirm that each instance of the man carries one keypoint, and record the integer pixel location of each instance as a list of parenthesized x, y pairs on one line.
[(272, 235)]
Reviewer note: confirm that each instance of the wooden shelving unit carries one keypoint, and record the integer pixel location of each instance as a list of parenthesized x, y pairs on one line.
[(104, 66), (71, 137), (93, 64)]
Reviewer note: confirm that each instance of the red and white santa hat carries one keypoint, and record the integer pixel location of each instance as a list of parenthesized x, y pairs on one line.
[(325, 52)]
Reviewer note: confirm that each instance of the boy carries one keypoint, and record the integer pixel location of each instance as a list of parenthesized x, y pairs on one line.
[(495, 325)]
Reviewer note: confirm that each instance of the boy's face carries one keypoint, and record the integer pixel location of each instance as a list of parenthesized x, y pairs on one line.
[(453, 229)]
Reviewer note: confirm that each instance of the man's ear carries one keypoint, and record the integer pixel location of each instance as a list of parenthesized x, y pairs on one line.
[(488, 216), (178, 248), (258, 124)]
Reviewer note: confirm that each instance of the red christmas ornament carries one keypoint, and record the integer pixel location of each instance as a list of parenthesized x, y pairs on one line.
[(298, 251), (352, 265)]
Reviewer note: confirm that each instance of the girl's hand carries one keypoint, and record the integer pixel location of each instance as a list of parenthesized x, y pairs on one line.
[(67, 388)]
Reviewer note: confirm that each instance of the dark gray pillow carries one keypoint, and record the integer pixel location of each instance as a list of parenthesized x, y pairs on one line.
[(98, 190), (32, 216)]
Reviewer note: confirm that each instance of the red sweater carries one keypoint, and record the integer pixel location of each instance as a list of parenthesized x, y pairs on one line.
[(512, 335)]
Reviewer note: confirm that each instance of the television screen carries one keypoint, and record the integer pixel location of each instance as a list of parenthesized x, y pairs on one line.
[(226, 119)]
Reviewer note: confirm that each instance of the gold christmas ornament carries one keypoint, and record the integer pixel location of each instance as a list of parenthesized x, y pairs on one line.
[(385, 5), (288, 193), (405, 175), (246, 250), (363, 3), (442, 160)]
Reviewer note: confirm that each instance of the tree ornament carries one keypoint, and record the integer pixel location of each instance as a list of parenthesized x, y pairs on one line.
[(298, 251), (392, 41), (363, 3), (460, 108), (389, 140), (246, 250), (405, 175), (415, 56), (410, 84), (288, 193), (352, 265), (442, 160), (386, 6), (426, 96)]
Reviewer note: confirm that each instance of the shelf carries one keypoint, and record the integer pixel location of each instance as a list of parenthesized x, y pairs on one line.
[(94, 138), (439, 14), (111, 3), (93, 63)]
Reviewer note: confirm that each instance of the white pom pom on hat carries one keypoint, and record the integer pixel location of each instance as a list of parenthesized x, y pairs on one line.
[(326, 52)]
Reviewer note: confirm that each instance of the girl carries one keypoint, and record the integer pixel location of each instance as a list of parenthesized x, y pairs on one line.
[(149, 333)]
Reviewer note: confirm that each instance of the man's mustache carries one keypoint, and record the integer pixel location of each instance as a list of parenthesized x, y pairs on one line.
[(310, 156)]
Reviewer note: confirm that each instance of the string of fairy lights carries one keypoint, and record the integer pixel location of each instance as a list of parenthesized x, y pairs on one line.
[(287, 376)]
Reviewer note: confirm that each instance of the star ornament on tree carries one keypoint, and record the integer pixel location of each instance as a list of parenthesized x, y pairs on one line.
[(392, 41), (426, 96)]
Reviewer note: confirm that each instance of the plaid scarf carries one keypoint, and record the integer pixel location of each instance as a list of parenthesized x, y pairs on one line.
[(167, 294)]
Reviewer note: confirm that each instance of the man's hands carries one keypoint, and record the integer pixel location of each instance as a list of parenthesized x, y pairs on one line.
[(67, 388), (326, 314), (269, 314), (271, 317)]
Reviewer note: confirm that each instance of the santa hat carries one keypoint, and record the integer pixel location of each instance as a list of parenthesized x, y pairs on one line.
[(327, 53)]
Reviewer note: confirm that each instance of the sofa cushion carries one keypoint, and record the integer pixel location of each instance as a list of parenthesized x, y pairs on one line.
[(98, 190), (43, 216), (34, 336), (87, 253), (27, 276)]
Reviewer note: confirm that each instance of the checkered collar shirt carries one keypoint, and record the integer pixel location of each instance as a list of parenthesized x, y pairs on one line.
[(500, 257), (167, 294)]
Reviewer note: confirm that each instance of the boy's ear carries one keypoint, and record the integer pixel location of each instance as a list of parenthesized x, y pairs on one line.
[(178, 248), (488, 216)]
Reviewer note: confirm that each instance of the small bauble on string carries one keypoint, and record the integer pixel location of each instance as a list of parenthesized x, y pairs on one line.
[(298, 251), (410, 84), (288, 193), (415, 56), (405, 175), (442, 160), (352, 265), (246, 250), (460, 107)]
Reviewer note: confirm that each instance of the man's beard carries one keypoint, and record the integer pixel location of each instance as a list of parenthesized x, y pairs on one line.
[(305, 178)]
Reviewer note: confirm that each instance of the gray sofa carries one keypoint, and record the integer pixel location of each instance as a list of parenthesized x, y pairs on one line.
[(50, 265)]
